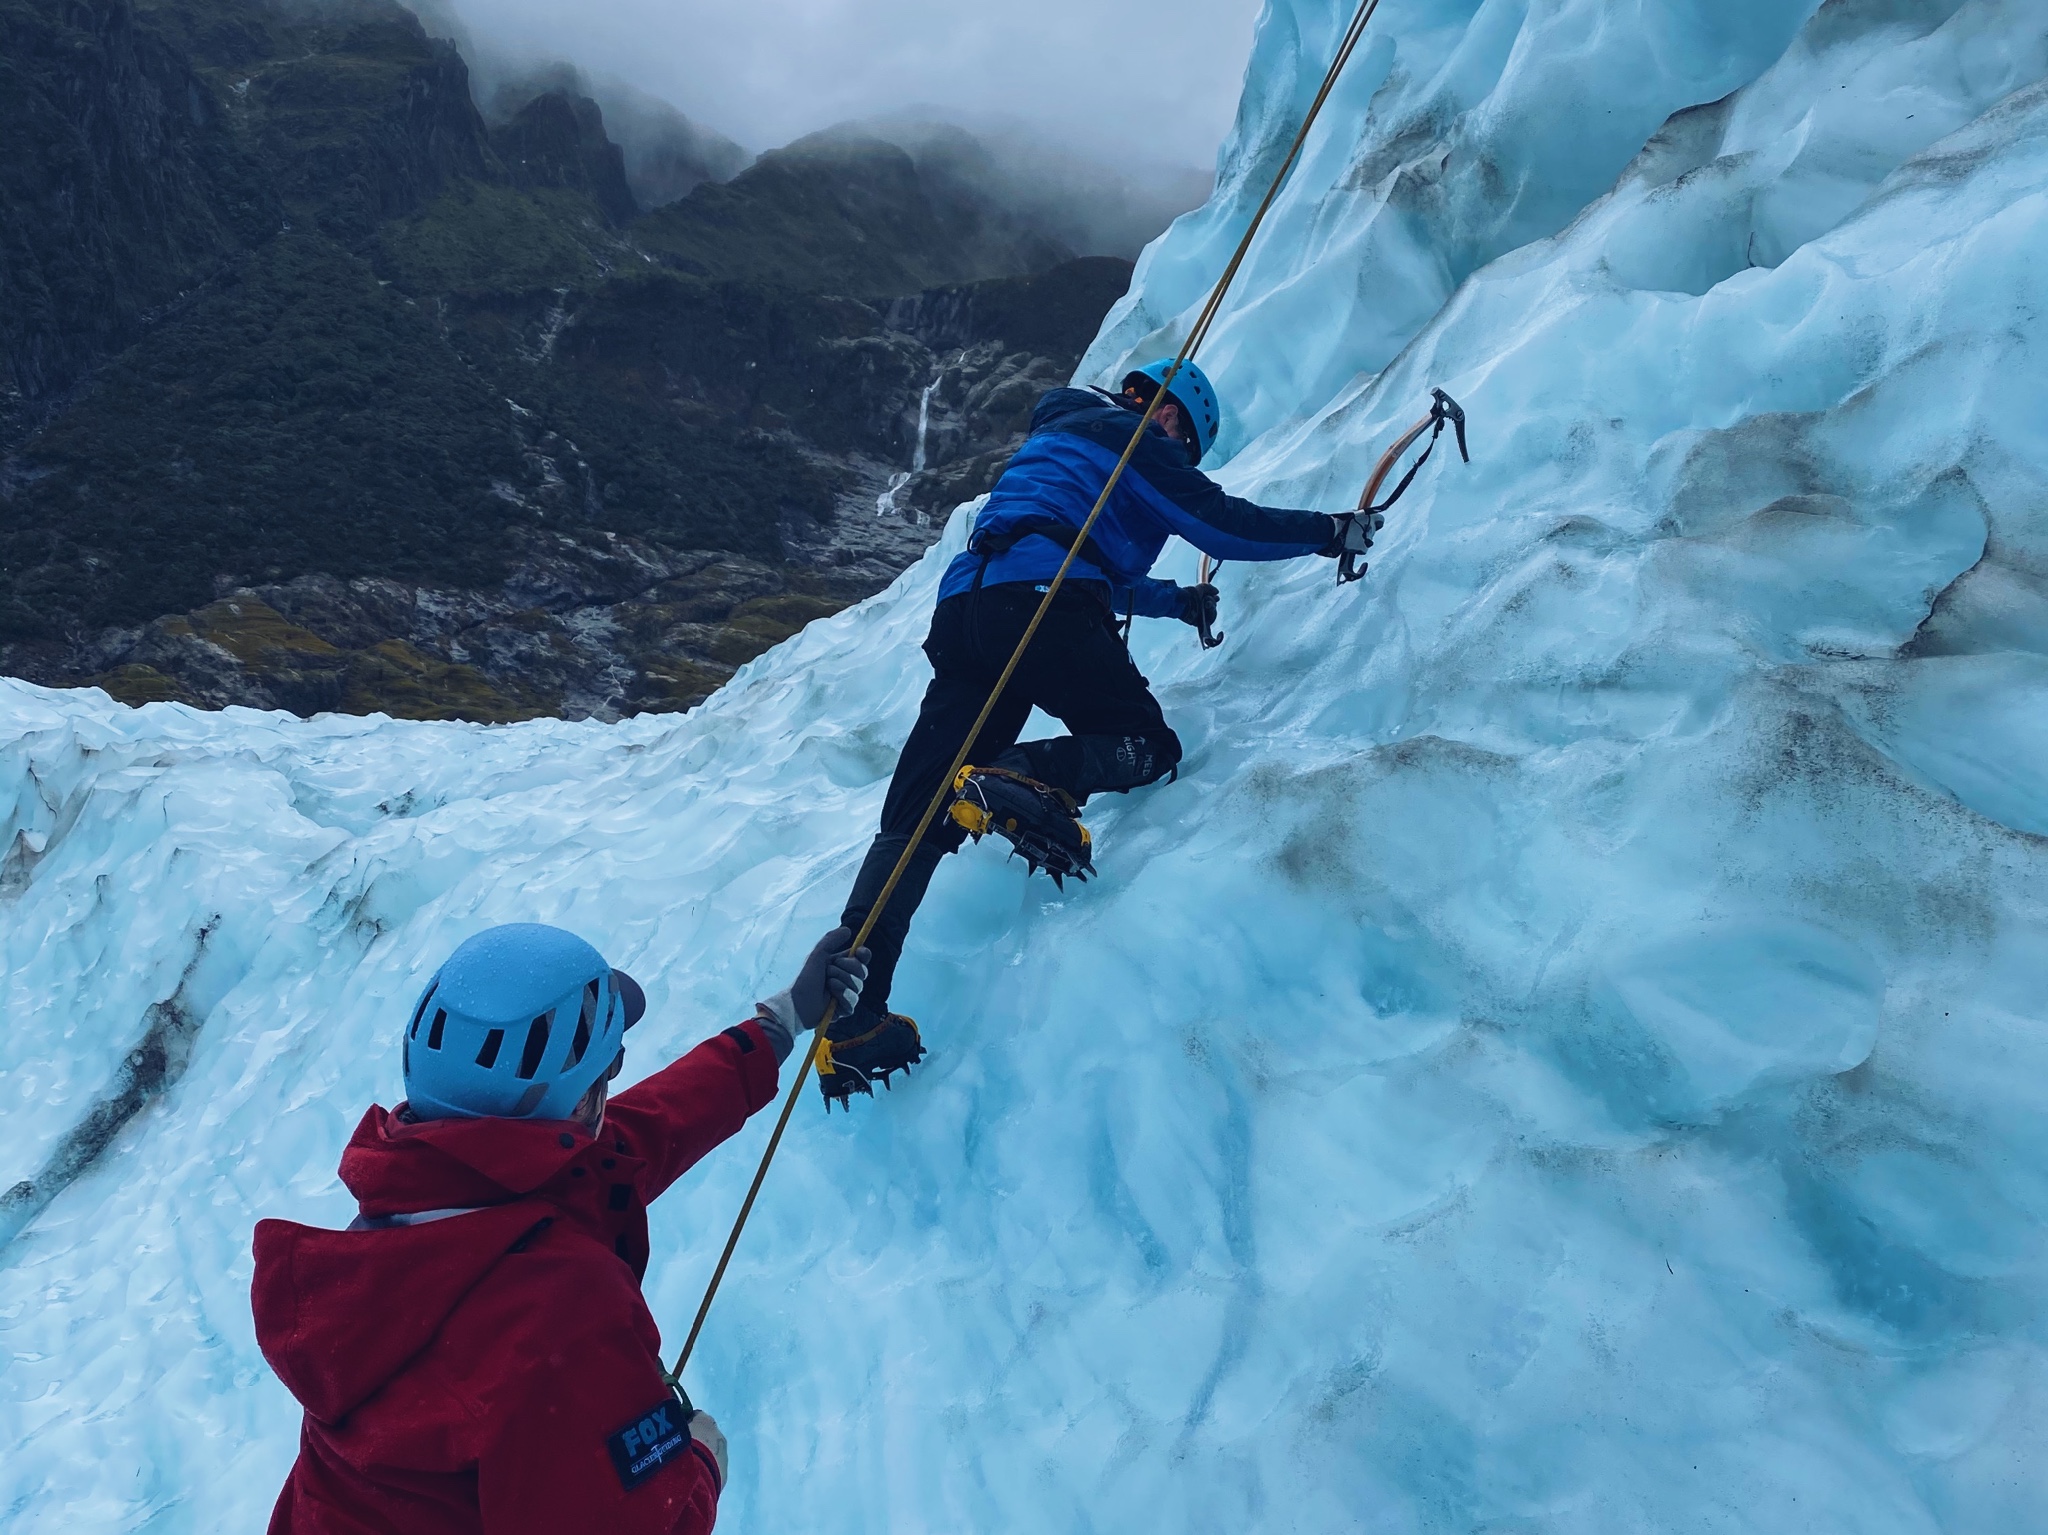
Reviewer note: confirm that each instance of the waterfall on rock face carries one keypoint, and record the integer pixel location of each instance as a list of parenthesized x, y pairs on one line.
[(885, 503), (1566, 1057), (924, 423)]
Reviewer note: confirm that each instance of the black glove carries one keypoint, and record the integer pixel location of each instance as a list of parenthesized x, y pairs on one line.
[(1353, 533), (1198, 605), (828, 971)]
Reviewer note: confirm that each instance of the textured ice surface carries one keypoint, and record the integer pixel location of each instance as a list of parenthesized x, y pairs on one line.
[(1568, 1055)]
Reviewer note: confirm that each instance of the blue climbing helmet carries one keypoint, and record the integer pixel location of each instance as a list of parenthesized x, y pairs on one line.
[(1191, 391), (517, 1024)]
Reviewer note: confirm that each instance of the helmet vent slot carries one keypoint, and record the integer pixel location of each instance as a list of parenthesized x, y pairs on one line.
[(536, 1045), (584, 1019), (488, 1056), (434, 1034), (421, 1011)]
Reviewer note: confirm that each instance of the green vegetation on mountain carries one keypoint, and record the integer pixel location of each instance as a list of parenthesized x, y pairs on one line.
[(278, 307), (122, 184), (476, 238), (297, 417), (848, 215)]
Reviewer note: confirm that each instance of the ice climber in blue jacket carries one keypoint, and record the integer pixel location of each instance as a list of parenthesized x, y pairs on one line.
[(1078, 667)]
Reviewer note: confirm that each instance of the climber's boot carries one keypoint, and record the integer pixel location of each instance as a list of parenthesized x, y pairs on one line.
[(1042, 824), (859, 1050)]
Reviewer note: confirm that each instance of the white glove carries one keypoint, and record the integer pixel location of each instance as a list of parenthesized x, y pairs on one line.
[(705, 1432), (1354, 533)]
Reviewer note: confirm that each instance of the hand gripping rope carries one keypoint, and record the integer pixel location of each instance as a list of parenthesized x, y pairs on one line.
[(820, 1051)]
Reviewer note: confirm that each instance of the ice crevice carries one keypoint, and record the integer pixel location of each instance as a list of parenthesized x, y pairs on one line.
[(1567, 1055), (152, 1067)]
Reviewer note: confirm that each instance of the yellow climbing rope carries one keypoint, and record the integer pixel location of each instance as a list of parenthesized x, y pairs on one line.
[(819, 1054)]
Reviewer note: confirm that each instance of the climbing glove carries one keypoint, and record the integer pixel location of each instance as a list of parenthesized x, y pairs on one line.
[(830, 973), (706, 1432), (1198, 605), (1353, 535)]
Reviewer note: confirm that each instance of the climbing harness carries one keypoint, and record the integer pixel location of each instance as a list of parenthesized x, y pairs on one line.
[(1443, 411), (1073, 540), (820, 1053)]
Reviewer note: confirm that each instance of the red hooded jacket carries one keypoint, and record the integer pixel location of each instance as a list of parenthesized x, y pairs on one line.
[(498, 1371)]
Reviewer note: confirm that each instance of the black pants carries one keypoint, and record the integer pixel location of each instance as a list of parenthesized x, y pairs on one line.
[(1077, 670)]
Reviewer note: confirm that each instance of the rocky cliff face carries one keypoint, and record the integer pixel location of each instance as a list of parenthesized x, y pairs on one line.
[(583, 627), (997, 346), (339, 398), (558, 140), (121, 187)]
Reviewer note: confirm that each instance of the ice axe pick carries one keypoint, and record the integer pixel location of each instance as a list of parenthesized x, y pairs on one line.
[(1443, 411)]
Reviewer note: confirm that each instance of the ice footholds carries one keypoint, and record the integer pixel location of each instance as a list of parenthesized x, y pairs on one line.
[(850, 1064), (1041, 824)]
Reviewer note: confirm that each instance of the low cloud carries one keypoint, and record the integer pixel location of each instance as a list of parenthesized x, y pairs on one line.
[(1139, 85)]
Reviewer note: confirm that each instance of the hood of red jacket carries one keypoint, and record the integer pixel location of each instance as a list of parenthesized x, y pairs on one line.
[(339, 1313)]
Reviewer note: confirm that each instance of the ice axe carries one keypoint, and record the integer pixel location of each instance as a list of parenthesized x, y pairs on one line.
[(1443, 410)]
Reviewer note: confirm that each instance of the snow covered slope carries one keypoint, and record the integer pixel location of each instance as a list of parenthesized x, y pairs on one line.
[(1568, 1055)]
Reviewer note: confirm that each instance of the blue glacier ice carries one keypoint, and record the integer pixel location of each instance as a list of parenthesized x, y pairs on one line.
[(1568, 1056)]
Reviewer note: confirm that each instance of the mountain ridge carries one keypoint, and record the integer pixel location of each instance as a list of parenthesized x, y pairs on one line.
[(392, 341)]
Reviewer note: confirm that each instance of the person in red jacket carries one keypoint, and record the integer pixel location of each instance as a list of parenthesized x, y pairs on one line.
[(473, 1352)]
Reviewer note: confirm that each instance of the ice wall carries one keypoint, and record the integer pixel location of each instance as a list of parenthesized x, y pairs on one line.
[(1567, 1056)]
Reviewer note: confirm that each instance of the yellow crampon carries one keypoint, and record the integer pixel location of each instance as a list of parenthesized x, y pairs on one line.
[(1042, 824), (965, 812), (879, 1053)]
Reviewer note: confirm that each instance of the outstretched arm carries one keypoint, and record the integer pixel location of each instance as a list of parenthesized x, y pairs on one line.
[(675, 1117), (1228, 527)]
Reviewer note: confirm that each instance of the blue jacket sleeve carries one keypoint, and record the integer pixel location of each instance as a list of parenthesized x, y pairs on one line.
[(1152, 599), (1228, 527)]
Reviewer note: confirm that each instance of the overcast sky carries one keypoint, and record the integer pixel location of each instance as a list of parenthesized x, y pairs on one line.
[(1163, 77)]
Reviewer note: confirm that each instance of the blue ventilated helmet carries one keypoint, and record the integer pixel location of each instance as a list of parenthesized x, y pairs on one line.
[(518, 1024), (1192, 392)]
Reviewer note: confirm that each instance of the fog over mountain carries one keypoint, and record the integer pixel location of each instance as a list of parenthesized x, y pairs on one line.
[(1095, 204), (1148, 89), (300, 300)]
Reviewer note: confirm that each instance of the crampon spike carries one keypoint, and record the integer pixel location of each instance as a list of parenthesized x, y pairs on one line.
[(840, 1086), (1041, 824)]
